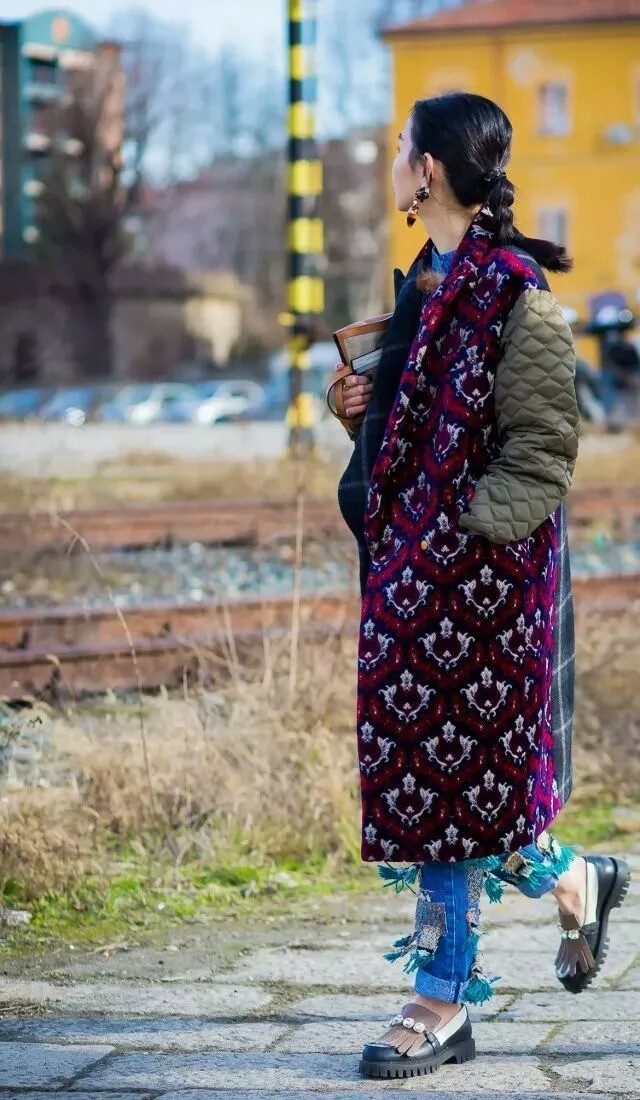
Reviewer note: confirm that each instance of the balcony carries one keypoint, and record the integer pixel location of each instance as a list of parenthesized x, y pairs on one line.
[(71, 146), (33, 188), (41, 92), (35, 142), (37, 51)]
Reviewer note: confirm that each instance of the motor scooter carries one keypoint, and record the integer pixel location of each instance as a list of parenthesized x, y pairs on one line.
[(608, 395)]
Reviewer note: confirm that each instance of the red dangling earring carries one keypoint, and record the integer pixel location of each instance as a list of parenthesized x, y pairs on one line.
[(421, 194)]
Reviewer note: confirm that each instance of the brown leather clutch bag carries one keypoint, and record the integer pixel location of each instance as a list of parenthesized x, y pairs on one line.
[(360, 346)]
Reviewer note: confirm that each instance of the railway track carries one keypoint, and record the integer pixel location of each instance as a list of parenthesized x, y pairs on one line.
[(240, 522), (52, 651), (224, 523), (70, 651)]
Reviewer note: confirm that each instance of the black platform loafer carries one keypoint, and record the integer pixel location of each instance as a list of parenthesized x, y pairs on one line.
[(583, 948), (410, 1048)]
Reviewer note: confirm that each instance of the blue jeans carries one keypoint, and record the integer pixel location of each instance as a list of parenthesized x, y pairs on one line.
[(443, 950)]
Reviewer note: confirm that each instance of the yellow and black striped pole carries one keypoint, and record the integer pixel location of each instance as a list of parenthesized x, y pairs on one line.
[(306, 288)]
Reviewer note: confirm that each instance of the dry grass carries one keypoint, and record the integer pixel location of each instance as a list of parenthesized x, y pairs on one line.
[(242, 773), (608, 459), (150, 479), (607, 727), (235, 772)]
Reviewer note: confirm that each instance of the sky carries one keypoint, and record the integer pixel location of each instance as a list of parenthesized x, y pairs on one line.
[(211, 22), (257, 29)]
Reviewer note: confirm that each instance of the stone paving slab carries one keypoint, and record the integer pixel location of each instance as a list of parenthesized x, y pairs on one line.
[(348, 1037), (526, 973), (544, 938), (265, 1073), (523, 956), (630, 980), (397, 1089), (172, 1039), (128, 965), (487, 1075), (137, 1000), (366, 968), (520, 974), (596, 1038), (378, 1008), (194, 958), (354, 966), (617, 1076), (24, 1065), (295, 1095), (141, 1034), (561, 1006), (75, 1095), (282, 1072), (515, 908), (391, 1088)]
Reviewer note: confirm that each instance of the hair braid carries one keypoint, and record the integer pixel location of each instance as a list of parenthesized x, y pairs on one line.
[(471, 137), (500, 200)]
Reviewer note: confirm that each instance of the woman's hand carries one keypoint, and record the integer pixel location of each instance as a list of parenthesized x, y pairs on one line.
[(357, 393)]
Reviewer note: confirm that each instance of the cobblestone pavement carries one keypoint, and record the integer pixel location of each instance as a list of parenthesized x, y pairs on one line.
[(284, 1012)]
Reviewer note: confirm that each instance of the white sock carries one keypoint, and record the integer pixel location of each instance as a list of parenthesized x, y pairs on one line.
[(444, 1033), (592, 894)]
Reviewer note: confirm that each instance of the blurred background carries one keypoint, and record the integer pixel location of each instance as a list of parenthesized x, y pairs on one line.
[(193, 197), (143, 183)]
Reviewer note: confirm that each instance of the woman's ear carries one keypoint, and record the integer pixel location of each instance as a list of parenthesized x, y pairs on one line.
[(427, 167)]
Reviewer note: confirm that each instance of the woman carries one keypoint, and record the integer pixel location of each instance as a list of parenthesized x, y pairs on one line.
[(464, 449)]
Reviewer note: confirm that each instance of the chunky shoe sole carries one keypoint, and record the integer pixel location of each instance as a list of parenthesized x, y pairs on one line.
[(464, 1051), (614, 899)]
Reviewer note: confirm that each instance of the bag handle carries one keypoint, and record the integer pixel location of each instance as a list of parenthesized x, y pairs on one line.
[(335, 400)]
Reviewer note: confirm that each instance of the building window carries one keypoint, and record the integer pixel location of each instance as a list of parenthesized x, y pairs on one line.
[(554, 109), (42, 72), (552, 224)]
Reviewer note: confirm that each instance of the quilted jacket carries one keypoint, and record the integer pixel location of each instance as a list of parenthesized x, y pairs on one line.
[(538, 422)]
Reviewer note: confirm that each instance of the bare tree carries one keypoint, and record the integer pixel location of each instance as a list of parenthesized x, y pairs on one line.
[(161, 73), (82, 203), (353, 67), (124, 121)]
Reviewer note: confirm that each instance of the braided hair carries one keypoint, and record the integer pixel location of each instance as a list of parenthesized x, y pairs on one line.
[(471, 137)]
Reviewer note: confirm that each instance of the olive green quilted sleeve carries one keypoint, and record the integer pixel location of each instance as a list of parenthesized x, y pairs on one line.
[(538, 424)]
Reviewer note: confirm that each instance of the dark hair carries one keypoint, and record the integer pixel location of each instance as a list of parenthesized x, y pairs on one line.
[(471, 137)]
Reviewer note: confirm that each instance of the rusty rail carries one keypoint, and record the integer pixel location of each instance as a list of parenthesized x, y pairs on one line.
[(87, 650), (240, 522), (70, 651), (161, 524)]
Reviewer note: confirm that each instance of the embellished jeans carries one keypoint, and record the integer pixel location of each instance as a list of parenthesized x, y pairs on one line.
[(443, 950)]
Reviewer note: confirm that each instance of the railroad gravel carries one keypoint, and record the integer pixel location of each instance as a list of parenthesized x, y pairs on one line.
[(190, 573), (196, 572)]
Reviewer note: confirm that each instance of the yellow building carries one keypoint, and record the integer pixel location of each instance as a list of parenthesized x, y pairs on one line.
[(567, 73)]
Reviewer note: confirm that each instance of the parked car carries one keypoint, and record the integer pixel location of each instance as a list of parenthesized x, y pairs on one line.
[(144, 403), (230, 399), (22, 404), (276, 398), (183, 411), (214, 401), (74, 406)]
